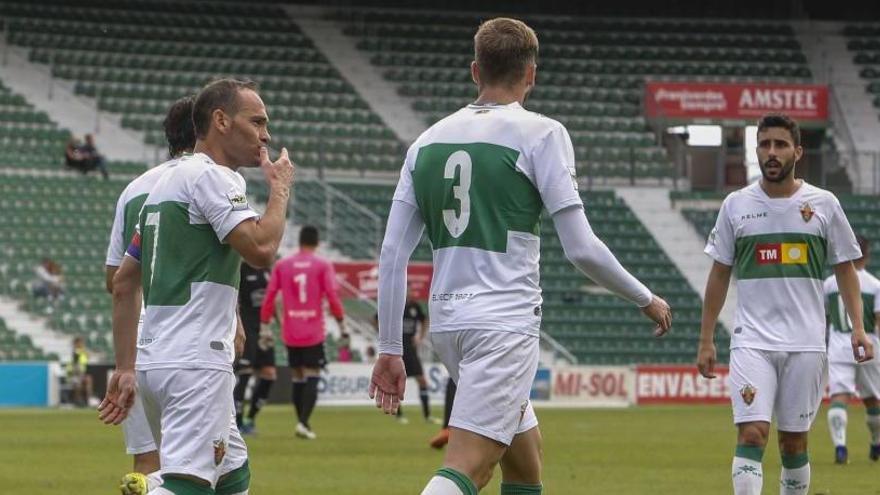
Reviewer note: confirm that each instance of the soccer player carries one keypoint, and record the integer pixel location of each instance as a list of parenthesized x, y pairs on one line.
[(440, 440), (415, 328), (847, 377), (194, 229), (778, 234), (181, 138), (259, 351), (304, 280), (478, 181)]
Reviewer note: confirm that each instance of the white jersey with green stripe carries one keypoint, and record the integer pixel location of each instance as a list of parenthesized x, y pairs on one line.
[(779, 248), (480, 179), (128, 207), (839, 323), (190, 275)]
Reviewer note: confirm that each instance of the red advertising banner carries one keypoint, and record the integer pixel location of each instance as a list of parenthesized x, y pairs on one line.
[(722, 101), (363, 277), (680, 385), (609, 386)]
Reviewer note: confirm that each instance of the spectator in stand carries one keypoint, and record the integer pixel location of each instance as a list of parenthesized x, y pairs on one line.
[(49, 282), (93, 159), (84, 157)]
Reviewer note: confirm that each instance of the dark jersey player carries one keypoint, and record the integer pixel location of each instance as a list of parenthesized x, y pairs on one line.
[(259, 351)]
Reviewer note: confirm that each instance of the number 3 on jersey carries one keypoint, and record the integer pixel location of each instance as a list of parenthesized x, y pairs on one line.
[(459, 161)]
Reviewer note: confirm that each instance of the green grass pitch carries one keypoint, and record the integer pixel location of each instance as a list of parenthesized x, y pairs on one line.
[(650, 450)]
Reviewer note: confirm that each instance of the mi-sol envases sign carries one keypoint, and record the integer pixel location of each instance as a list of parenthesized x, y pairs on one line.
[(723, 102)]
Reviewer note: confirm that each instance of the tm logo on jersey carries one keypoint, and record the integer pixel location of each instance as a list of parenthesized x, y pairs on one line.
[(785, 253)]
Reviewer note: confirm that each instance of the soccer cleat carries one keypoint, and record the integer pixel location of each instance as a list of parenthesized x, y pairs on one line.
[(434, 421), (440, 439), (841, 456), (402, 420), (304, 432), (875, 452), (248, 428), (133, 484)]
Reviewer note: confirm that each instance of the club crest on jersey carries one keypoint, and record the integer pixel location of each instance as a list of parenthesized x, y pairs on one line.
[(807, 211), (748, 393), (219, 451)]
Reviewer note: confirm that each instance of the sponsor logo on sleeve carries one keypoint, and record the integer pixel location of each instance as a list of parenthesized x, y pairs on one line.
[(237, 199)]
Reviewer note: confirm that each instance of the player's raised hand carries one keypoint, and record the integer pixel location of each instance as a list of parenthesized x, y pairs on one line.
[(119, 397), (280, 172), (388, 383), (863, 349), (706, 358), (660, 313)]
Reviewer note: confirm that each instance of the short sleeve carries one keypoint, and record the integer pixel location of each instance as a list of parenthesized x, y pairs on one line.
[(842, 243), (404, 191), (116, 246), (554, 170), (721, 243), (219, 197)]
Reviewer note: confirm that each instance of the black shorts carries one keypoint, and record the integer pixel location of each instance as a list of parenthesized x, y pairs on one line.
[(306, 357), (254, 357), (411, 360)]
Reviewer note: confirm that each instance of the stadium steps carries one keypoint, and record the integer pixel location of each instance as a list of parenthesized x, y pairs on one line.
[(33, 339), (854, 118), (70, 110), (395, 110), (678, 239)]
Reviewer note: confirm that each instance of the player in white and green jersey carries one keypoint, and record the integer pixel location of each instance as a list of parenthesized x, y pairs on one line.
[(476, 183), (778, 235), (181, 138), (847, 378), (194, 228)]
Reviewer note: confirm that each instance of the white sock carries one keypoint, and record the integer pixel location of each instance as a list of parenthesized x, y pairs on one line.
[(748, 477), (441, 486), (795, 481), (873, 421), (837, 419)]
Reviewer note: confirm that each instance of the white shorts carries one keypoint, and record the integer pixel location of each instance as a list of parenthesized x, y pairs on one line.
[(787, 384), (192, 418), (136, 430), (861, 379), (845, 375), (494, 371)]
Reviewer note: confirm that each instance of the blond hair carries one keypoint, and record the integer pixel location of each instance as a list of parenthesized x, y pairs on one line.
[(503, 50)]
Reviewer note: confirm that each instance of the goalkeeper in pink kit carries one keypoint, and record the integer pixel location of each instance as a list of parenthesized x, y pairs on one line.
[(304, 280)]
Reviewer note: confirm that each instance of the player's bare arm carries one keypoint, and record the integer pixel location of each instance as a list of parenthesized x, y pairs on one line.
[(240, 336), (850, 292), (109, 272), (126, 312), (716, 294), (257, 240)]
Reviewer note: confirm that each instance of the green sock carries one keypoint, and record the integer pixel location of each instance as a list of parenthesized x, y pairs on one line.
[(180, 486), (236, 481), (520, 489), (461, 480)]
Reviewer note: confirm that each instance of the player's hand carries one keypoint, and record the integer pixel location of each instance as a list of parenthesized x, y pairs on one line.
[(863, 349), (388, 383), (280, 172), (119, 397), (267, 337), (660, 313), (706, 358)]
